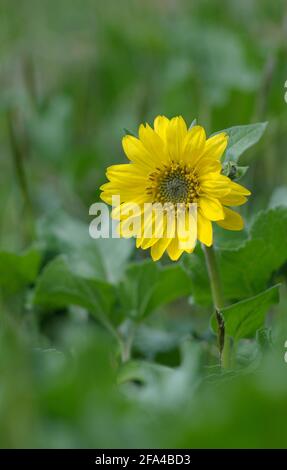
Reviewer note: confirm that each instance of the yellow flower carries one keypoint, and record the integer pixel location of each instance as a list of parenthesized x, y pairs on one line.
[(173, 165)]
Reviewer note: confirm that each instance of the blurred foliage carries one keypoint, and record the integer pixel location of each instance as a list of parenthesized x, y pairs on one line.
[(98, 346)]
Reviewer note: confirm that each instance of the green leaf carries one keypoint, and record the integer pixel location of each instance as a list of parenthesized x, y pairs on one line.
[(172, 284), (102, 258), (196, 269), (142, 371), (242, 138), (244, 318), (58, 287), (165, 386), (229, 238), (147, 286), (278, 197), (245, 269), (18, 270)]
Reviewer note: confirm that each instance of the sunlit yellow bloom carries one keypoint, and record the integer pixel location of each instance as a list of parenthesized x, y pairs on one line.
[(170, 164)]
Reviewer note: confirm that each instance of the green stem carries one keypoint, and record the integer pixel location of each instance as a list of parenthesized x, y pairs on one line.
[(218, 302), (127, 343), (125, 340), (214, 277)]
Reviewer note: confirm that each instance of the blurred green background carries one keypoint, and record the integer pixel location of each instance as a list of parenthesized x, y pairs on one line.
[(73, 75)]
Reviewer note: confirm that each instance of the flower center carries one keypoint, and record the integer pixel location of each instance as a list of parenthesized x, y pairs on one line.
[(176, 184), (173, 188)]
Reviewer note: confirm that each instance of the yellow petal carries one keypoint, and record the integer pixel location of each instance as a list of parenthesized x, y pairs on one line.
[(238, 189), (217, 186), (158, 249), (148, 242), (106, 197), (232, 220), (215, 146), (194, 145), (208, 165), (169, 236), (215, 176), (159, 223), (173, 250), (211, 208), (204, 229), (146, 230), (136, 152), (134, 183), (129, 227), (126, 171), (175, 135), (160, 125), (233, 200), (123, 210), (153, 144), (186, 230), (125, 192)]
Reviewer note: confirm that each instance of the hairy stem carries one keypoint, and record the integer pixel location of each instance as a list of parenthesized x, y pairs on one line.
[(218, 301)]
